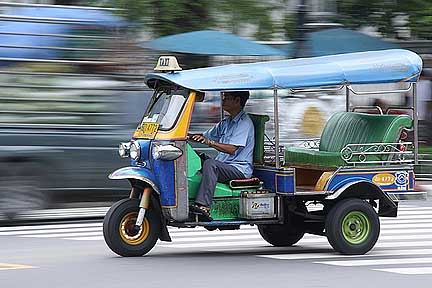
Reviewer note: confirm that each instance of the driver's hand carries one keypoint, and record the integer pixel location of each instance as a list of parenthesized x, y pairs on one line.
[(199, 138)]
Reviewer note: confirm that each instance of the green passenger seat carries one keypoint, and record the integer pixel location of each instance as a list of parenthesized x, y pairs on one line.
[(259, 125), (348, 128)]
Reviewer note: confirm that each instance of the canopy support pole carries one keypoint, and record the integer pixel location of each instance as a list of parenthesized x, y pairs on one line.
[(415, 116), (347, 98), (276, 125)]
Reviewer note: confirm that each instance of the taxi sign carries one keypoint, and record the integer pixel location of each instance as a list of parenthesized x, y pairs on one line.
[(167, 64), (147, 130)]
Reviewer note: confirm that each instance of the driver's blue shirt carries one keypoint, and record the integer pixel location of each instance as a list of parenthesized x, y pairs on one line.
[(238, 131)]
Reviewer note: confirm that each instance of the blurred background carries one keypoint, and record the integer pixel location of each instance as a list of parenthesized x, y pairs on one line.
[(71, 78)]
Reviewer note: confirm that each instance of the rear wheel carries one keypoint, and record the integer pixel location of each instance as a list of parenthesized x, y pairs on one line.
[(119, 232), (286, 234), (352, 227)]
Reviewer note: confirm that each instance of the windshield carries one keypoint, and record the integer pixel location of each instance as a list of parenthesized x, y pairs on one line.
[(166, 107)]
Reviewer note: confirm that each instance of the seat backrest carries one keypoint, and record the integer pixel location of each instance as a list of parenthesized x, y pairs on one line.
[(356, 128), (259, 125)]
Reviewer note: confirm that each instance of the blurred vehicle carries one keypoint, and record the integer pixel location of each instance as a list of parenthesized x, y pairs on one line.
[(63, 97)]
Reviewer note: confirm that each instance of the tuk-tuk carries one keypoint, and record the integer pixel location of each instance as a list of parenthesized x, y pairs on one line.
[(357, 171)]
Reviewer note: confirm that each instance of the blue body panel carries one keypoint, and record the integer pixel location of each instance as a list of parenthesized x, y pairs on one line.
[(276, 180), (392, 180), (165, 179), (386, 66)]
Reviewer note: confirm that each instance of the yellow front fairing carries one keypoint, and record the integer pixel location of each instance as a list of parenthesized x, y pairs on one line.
[(177, 132)]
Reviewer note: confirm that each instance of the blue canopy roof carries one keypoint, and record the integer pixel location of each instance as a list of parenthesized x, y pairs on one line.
[(385, 66), (209, 42)]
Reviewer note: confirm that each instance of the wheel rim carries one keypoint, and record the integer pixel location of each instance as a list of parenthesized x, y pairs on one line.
[(126, 229), (355, 227)]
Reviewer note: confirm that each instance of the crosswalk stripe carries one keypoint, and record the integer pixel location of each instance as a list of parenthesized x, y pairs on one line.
[(50, 226), (404, 221), (407, 271), (376, 262), (91, 238), (412, 217), (404, 208), (99, 233), (13, 233), (415, 212), (372, 254), (401, 226), (216, 244), (405, 231), (310, 239)]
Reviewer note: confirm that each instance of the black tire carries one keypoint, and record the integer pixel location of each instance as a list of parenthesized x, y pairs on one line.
[(21, 189), (352, 227), (118, 232), (287, 234)]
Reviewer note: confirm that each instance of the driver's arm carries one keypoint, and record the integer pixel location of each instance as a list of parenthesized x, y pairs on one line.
[(221, 147)]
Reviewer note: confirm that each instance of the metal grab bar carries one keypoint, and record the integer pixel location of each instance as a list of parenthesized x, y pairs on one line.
[(368, 107), (306, 90), (379, 92)]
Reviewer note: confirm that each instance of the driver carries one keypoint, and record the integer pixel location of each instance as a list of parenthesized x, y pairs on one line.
[(234, 138)]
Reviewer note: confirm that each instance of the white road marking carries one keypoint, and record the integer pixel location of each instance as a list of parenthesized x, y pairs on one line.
[(376, 262), (61, 235), (94, 238), (371, 254), (50, 226), (407, 271), (89, 229)]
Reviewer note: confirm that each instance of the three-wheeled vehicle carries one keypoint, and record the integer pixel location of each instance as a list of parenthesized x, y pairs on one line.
[(357, 171)]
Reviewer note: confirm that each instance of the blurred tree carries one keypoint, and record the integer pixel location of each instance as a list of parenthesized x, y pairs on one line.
[(358, 13), (381, 14), (166, 17), (420, 16)]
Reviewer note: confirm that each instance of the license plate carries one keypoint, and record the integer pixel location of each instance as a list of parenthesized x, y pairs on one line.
[(148, 130)]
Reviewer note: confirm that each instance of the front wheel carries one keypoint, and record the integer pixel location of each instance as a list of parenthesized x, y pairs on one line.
[(352, 227), (119, 232)]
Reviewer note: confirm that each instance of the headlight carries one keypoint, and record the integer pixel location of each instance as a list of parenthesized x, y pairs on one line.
[(123, 149), (135, 151), (166, 152)]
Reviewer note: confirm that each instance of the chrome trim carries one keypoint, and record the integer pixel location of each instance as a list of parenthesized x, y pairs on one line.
[(306, 90), (166, 152), (134, 176), (380, 92), (138, 150), (124, 149), (360, 153)]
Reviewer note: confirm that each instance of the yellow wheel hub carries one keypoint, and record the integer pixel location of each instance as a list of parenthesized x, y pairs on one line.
[(128, 233)]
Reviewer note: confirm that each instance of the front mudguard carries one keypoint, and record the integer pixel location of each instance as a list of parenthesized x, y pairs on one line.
[(138, 173), (144, 175)]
